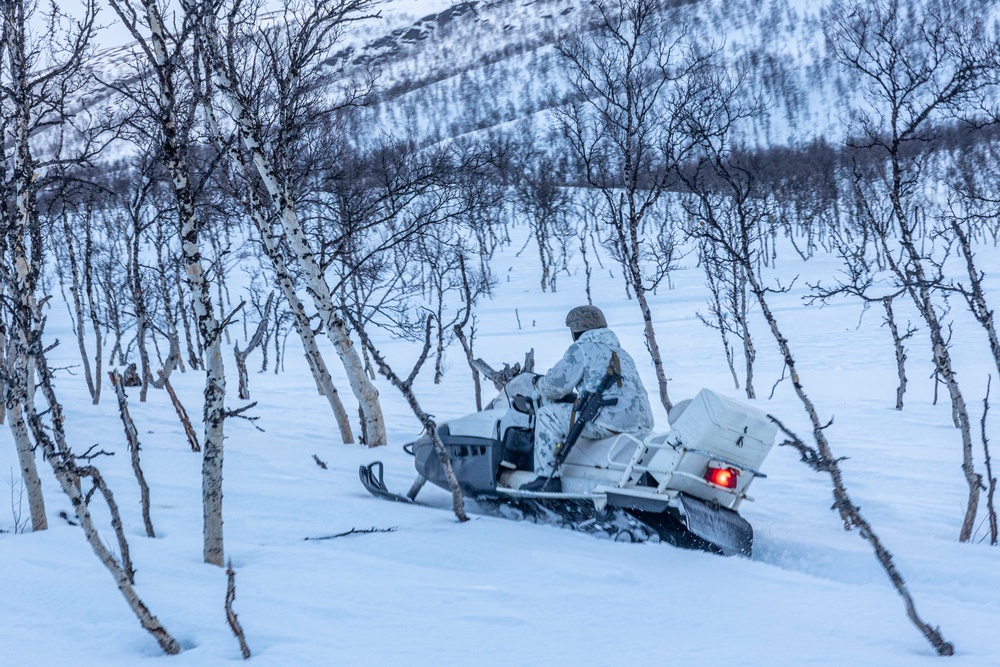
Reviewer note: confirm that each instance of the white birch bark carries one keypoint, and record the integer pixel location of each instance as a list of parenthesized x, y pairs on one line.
[(88, 281), (13, 374), (78, 325), (29, 471), (63, 463), (174, 157), (319, 290), (28, 319), (132, 437), (300, 320), (254, 342), (54, 446), (22, 281), (302, 327)]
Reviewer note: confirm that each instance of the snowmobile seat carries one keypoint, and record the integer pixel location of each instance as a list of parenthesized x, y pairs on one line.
[(518, 448)]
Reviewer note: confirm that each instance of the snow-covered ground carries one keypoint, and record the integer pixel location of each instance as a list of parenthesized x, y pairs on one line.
[(495, 591)]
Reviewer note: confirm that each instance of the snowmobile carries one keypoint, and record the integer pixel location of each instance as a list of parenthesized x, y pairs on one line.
[(683, 487)]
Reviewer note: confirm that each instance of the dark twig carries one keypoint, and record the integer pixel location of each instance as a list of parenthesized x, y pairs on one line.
[(780, 380), (355, 531), (238, 413), (192, 437), (132, 437), (90, 454)]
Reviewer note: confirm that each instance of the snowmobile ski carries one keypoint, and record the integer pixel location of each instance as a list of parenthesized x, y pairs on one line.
[(371, 477)]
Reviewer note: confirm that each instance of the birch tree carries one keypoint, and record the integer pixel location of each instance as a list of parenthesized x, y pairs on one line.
[(861, 256), (72, 213), (732, 222), (281, 62), (974, 215), (541, 197), (164, 53), (259, 212), (917, 66), (36, 79), (729, 306)]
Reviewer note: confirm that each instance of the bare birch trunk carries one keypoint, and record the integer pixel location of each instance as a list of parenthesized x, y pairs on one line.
[(74, 289), (5, 361), (4, 367), (243, 382), (628, 236), (300, 320), (822, 459), (132, 437), (95, 322), (231, 617), (241, 355), (324, 381), (459, 330), (141, 321), (975, 296), (713, 282), (69, 476), (190, 340), (209, 330), (654, 348), (173, 335), (942, 360), (467, 347), (54, 446), (919, 289), (897, 342), (192, 437), (13, 375), (405, 387), (318, 288), (29, 471), (21, 279), (749, 353), (991, 488), (215, 392)]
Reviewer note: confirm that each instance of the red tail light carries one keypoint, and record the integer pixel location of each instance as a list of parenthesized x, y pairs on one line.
[(724, 477)]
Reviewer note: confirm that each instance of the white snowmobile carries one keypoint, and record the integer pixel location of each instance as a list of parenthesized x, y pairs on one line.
[(683, 487)]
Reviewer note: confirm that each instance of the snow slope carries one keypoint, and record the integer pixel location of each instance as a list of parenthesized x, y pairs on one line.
[(495, 591)]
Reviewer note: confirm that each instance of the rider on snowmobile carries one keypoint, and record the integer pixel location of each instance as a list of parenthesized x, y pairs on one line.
[(582, 368)]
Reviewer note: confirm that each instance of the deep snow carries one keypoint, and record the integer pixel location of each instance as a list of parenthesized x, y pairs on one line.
[(496, 591)]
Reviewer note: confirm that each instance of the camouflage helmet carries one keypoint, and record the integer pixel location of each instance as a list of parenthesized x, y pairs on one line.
[(585, 318)]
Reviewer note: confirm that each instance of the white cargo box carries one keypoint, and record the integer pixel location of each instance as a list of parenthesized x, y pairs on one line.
[(726, 428)]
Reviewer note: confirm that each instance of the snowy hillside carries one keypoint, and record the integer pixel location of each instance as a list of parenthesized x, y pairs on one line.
[(482, 65), (448, 69)]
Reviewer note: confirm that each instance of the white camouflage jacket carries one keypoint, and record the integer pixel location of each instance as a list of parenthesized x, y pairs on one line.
[(582, 368)]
